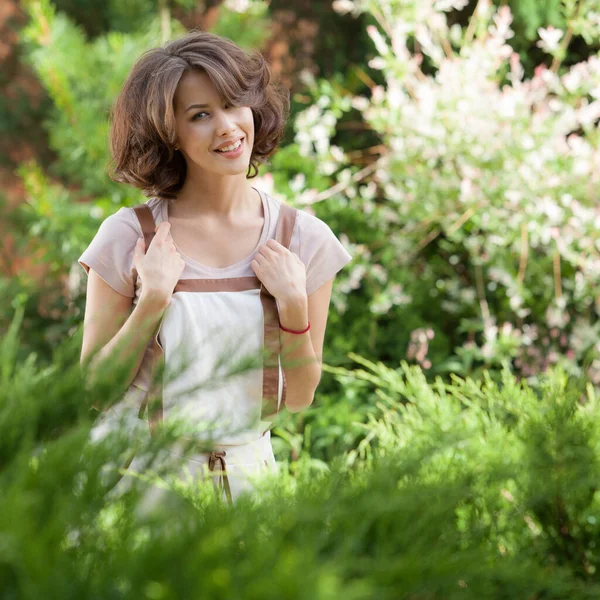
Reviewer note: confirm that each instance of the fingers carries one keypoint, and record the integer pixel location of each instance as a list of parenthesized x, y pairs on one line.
[(163, 231), (162, 237), (274, 245), (270, 249), (139, 248)]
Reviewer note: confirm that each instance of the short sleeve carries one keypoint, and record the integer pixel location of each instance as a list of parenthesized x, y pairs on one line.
[(110, 253), (320, 250)]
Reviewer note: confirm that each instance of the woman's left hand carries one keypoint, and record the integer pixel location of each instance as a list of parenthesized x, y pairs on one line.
[(279, 270)]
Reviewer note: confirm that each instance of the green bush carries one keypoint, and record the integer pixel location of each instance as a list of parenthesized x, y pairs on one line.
[(457, 490)]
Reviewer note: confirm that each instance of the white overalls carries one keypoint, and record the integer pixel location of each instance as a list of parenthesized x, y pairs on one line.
[(214, 326)]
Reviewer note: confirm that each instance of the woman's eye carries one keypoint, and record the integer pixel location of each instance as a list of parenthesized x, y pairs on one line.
[(198, 116)]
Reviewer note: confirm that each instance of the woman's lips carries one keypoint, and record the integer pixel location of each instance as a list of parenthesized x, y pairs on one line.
[(233, 153)]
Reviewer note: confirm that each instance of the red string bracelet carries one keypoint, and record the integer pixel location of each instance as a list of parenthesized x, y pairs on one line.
[(292, 331)]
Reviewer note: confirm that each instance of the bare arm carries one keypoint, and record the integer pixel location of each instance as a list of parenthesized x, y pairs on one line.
[(304, 353), (114, 332)]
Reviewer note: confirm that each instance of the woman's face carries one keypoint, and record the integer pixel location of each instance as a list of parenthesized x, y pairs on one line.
[(205, 123)]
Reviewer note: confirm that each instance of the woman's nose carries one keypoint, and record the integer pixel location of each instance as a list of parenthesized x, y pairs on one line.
[(224, 123)]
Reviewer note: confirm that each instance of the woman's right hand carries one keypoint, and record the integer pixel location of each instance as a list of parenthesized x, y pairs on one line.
[(160, 266)]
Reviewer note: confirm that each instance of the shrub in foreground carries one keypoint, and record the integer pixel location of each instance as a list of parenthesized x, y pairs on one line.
[(462, 490)]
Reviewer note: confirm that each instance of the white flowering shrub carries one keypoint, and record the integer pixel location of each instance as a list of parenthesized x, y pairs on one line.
[(475, 228)]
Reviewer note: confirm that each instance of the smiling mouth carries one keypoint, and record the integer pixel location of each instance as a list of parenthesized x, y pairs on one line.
[(231, 148)]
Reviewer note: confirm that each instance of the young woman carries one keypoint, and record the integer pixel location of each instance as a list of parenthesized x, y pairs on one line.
[(209, 267)]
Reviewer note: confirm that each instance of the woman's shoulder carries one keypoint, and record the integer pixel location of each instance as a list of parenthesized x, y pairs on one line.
[(312, 227), (125, 221), (306, 222), (119, 225), (110, 252), (156, 208)]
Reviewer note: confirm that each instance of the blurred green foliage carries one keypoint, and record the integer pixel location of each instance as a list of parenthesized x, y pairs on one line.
[(427, 215), (468, 489)]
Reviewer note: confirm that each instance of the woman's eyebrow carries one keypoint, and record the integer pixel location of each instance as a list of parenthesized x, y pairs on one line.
[(197, 106)]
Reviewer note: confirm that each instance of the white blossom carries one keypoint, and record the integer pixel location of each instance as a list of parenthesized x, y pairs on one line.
[(549, 38), (343, 6)]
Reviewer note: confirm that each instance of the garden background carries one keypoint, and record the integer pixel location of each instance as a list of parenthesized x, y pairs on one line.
[(453, 448)]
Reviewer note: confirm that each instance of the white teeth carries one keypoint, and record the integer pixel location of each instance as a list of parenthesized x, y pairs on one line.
[(230, 148)]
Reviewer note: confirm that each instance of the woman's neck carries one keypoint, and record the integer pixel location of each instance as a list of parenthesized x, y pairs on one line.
[(219, 197)]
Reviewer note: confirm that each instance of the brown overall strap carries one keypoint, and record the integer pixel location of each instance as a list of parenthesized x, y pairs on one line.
[(272, 339), (285, 225), (155, 410), (144, 215)]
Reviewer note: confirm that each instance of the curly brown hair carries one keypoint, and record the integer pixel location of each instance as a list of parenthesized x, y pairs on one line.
[(143, 141)]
